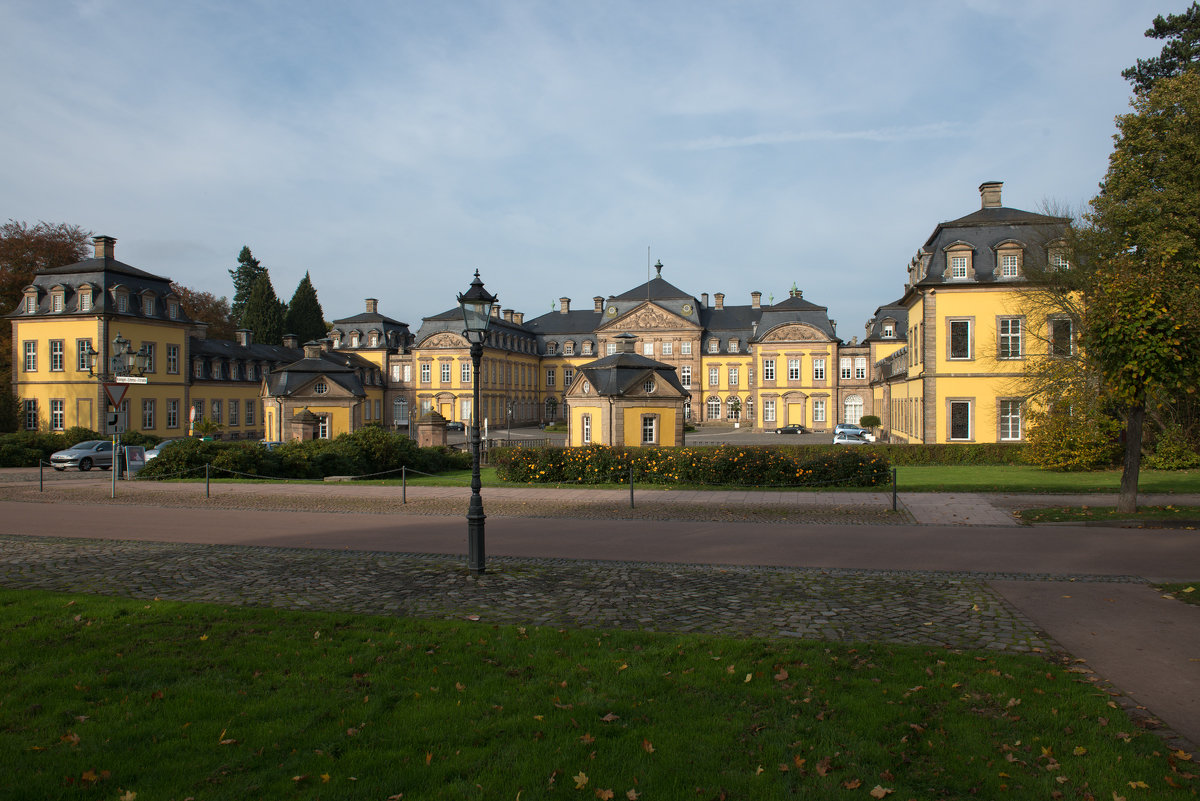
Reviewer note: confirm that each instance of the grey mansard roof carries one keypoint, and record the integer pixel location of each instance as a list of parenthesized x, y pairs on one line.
[(620, 372), (983, 230)]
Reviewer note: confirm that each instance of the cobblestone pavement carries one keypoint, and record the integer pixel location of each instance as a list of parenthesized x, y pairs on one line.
[(938, 609)]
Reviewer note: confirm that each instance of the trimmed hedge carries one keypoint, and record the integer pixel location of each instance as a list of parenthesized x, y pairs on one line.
[(972, 453), (368, 451), (715, 466)]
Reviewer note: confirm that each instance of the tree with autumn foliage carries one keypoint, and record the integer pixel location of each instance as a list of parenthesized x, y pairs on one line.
[(205, 307), (1141, 255), (24, 250)]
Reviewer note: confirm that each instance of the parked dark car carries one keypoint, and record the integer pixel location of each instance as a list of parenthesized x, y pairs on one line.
[(84, 455), (455, 425), (793, 428)]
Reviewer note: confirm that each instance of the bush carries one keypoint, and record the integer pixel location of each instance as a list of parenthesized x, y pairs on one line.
[(1086, 440), (717, 466), (1172, 451), (870, 421)]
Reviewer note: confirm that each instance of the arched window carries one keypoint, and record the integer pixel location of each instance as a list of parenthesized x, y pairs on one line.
[(714, 408), (853, 410), (733, 407)]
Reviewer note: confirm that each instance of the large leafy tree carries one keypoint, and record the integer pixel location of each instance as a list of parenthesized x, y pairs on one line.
[(25, 249), (244, 276), (1180, 54), (263, 314), (1142, 321), (304, 316), (205, 307)]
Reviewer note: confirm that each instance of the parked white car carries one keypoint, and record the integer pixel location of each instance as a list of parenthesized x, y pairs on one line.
[(850, 428)]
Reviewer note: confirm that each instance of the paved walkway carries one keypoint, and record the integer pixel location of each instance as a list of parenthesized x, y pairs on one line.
[(697, 566)]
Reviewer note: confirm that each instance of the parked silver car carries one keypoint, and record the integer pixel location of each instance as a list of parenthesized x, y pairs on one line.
[(153, 453), (846, 438), (84, 455), (850, 428)]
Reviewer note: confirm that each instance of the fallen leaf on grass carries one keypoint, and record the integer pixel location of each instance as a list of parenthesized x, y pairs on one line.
[(632, 795), (604, 795), (610, 717), (647, 746), (782, 675), (852, 784), (128, 795), (880, 791), (70, 737), (325, 777), (581, 780), (1139, 785)]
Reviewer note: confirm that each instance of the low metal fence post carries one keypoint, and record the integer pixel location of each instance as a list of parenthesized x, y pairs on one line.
[(41, 476), (404, 484), (893, 489), (631, 485), (207, 494)]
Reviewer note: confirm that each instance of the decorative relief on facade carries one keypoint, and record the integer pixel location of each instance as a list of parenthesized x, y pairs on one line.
[(648, 317), (444, 340), (794, 332)]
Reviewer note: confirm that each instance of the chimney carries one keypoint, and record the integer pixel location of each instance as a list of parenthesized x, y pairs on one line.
[(312, 351), (704, 300), (756, 300), (245, 337), (719, 297), (508, 313), (495, 311), (519, 318), (627, 342), (564, 305), (291, 341), (326, 344), (599, 301), (989, 193), (372, 306), (105, 246)]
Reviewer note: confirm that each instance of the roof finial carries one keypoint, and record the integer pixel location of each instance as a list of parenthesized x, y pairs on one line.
[(658, 267)]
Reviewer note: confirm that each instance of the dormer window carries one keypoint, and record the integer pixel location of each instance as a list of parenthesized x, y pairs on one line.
[(173, 309), (85, 300), (31, 303), (648, 386), (568, 348), (1058, 261), (1009, 255), (148, 305), (122, 303), (56, 301), (374, 339), (958, 267), (587, 348), (1010, 265), (733, 346), (714, 346), (551, 348), (888, 329)]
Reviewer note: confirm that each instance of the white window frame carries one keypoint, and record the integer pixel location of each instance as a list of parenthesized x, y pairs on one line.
[(818, 369), (713, 404), (586, 422), (58, 350), (426, 373), (685, 376), (768, 369), (733, 376), (1010, 420), (445, 372), (234, 413), (793, 369), (30, 356), (172, 413), (958, 266), (714, 376), (668, 348), (950, 421), (172, 359), (551, 376), (649, 429), (1010, 265), (568, 376), (1009, 336), (685, 348), (29, 411), (818, 411), (714, 345), (58, 414), (845, 368), (768, 411), (216, 408), (147, 414), (961, 325), (648, 349), (464, 373), (860, 367)]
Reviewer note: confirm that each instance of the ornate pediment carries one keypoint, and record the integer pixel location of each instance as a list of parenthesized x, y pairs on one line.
[(444, 340), (794, 332), (649, 317)]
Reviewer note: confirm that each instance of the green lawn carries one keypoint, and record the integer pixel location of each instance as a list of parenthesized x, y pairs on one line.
[(1150, 514), (1023, 478), (108, 698)]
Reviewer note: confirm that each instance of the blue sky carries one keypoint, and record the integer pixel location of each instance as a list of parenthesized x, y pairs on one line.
[(392, 148)]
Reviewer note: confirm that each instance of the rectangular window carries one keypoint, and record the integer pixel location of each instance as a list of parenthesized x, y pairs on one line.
[(56, 302), (714, 376), (818, 369), (378, 408), (587, 429), (648, 437), (960, 420), (150, 353), (1058, 262), (148, 306), (1010, 338), (445, 373), (733, 376), (1060, 338), (860, 367), (733, 346), (172, 413), (197, 410), (234, 409), (30, 356), (323, 427), (768, 411), (1008, 266), (31, 415), (123, 303), (57, 350), (216, 411), (714, 346), (793, 369), (85, 301), (648, 349), (958, 267), (57, 415), (426, 372), (551, 375), (685, 376), (668, 348), (768, 369), (250, 412), (395, 372), (568, 376), (198, 368), (846, 367), (610, 348), (464, 410), (1010, 419), (147, 414), (83, 349), (408, 373), (464, 372), (818, 409), (172, 359), (685, 348), (960, 339)]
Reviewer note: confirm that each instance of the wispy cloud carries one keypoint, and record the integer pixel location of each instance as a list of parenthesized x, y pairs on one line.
[(938, 130)]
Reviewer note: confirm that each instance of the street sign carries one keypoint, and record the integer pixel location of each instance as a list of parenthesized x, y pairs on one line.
[(132, 379), (115, 393), (115, 422)]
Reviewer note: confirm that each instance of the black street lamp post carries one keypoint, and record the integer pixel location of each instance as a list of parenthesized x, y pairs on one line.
[(476, 305)]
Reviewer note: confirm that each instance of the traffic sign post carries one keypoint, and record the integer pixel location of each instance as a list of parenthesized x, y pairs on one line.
[(116, 422), (115, 393)]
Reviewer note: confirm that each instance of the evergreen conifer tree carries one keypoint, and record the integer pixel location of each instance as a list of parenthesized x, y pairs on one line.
[(263, 314), (304, 316), (247, 272)]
